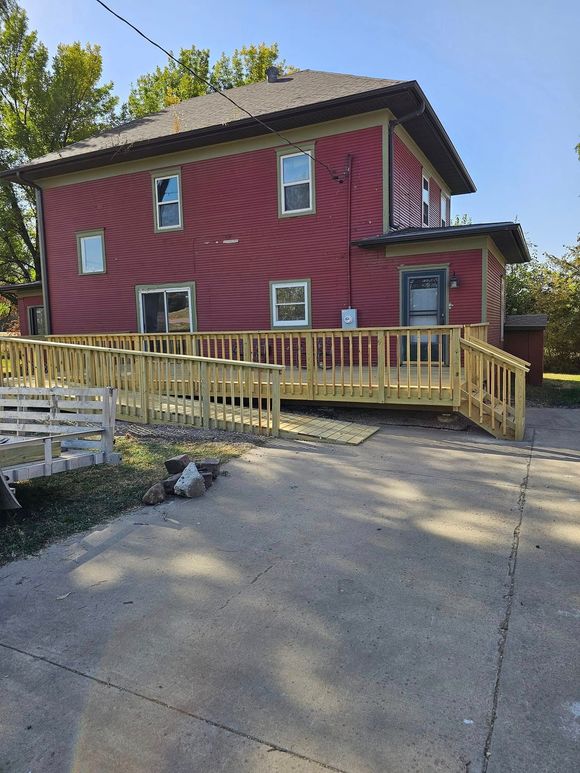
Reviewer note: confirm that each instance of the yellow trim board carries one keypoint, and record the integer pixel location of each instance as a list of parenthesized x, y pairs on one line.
[(443, 244)]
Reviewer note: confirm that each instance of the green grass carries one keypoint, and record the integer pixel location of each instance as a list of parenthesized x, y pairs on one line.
[(70, 502), (558, 390)]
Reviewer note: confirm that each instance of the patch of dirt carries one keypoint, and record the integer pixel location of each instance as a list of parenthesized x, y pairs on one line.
[(175, 432)]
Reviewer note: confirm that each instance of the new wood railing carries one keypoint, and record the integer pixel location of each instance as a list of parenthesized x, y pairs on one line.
[(404, 365), (153, 386), (493, 391)]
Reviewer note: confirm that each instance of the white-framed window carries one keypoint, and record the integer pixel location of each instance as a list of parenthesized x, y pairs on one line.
[(296, 183), (166, 308), (91, 252), (425, 200), (167, 198), (290, 302), (445, 207)]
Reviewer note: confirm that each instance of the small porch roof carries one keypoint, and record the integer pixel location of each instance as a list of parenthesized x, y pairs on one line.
[(508, 236), (20, 287)]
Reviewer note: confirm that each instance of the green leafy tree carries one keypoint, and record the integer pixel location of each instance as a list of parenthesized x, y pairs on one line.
[(171, 84), (462, 220), (44, 105)]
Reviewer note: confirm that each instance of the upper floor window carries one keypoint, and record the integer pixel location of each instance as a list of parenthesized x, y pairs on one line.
[(166, 308), (290, 303), (425, 201), (167, 198), (91, 252), (445, 207), (296, 183)]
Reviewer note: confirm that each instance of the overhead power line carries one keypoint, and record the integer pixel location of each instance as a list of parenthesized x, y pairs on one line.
[(223, 94)]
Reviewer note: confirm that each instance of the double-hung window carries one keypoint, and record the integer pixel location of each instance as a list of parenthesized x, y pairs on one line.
[(167, 308), (445, 206), (296, 183), (91, 252), (425, 200), (167, 201), (290, 303)]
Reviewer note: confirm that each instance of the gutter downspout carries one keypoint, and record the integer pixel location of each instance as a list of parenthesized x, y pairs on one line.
[(391, 126), (41, 247)]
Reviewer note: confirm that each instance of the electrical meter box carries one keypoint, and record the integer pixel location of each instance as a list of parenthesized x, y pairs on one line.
[(349, 319)]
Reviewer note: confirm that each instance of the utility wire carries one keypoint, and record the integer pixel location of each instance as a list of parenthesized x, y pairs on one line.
[(223, 94)]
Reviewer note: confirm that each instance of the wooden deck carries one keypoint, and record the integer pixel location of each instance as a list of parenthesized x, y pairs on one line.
[(236, 380)]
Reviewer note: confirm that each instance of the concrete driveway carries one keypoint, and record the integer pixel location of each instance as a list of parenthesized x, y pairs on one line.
[(377, 608)]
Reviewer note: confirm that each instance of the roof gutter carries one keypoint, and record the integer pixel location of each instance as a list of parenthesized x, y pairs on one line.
[(41, 245), (393, 123)]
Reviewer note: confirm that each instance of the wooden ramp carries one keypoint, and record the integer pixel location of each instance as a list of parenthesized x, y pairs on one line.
[(300, 427)]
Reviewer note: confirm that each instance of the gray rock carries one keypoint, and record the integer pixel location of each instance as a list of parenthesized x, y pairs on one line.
[(169, 483), (190, 483), (155, 495), (211, 464), (177, 464)]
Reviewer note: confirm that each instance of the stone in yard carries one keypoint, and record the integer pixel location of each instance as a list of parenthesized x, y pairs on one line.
[(177, 464), (169, 483), (155, 495), (212, 464), (191, 483)]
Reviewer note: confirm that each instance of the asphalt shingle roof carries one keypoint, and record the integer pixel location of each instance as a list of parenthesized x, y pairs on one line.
[(297, 90)]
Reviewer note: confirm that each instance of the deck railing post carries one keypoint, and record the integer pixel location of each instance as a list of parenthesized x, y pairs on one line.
[(310, 339), (275, 402), (520, 404), (381, 364), (455, 365), (143, 387), (204, 394)]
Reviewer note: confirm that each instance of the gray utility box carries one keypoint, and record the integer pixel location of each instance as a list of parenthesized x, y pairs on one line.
[(349, 319)]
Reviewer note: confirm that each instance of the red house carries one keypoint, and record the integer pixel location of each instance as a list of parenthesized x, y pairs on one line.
[(201, 218)]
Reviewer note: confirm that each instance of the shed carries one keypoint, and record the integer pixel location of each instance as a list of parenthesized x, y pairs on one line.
[(524, 337)]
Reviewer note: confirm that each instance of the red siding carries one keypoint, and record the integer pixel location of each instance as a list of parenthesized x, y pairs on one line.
[(23, 305), (495, 272), (407, 183), (232, 197)]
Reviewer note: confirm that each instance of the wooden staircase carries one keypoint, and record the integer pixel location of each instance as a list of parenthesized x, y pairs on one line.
[(493, 389)]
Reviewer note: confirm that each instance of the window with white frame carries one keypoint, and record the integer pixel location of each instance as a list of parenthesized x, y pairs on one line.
[(91, 252), (167, 195), (290, 303), (296, 183), (166, 309), (425, 200), (445, 207)]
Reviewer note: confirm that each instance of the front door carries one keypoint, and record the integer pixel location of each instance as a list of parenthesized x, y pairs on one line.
[(424, 302)]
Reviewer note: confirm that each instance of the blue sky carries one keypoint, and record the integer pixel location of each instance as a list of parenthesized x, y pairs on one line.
[(503, 76)]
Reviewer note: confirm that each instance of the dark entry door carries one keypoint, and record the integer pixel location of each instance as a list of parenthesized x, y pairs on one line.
[(424, 301)]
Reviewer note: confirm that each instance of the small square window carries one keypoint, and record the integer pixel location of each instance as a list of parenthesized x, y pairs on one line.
[(290, 304), (91, 252), (296, 183), (167, 195)]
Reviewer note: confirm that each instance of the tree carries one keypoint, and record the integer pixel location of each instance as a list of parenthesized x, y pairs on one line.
[(171, 84), (462, 220), (551, 286), (44, 105)]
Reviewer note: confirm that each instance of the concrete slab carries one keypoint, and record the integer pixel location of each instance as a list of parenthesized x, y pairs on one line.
[(338, 604)]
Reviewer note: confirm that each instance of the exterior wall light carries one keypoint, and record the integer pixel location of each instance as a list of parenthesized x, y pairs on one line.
[(454, 281)]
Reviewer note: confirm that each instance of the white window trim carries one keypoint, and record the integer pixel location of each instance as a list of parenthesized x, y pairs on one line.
[(305, 322), (425, 193), (163, 289), (445, 210), (158, 204), (81, 236), (284, 185)]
